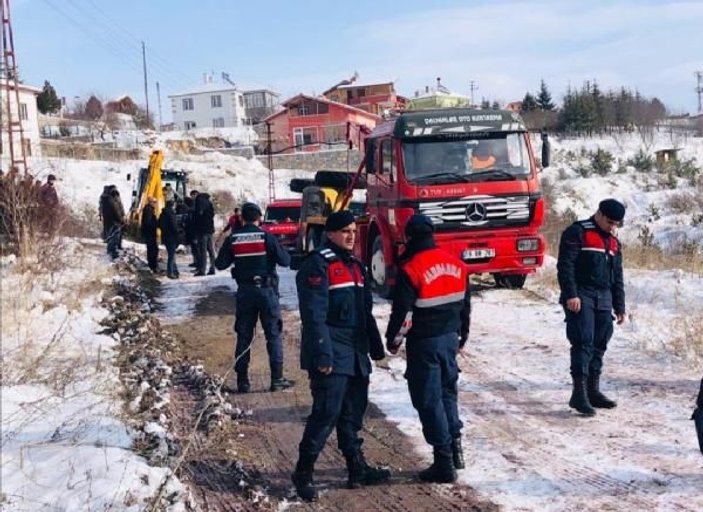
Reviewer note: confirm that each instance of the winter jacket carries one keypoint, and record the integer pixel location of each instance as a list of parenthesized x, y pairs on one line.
[(149, 222), (434, 286), (203, 216), (169, 227), (590, 264), (334, 297)]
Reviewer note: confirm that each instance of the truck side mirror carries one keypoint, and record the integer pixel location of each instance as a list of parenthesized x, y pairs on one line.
[(546, 150)]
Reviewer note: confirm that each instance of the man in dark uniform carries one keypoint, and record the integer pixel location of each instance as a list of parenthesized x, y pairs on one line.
[(590, 275), (254, 255), (339, 332), (432, 310), (149, 225)]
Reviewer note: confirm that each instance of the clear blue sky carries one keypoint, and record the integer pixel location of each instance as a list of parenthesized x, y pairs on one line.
[(505, 47)]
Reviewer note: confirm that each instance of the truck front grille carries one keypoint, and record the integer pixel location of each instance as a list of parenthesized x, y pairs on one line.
[(479, 211)]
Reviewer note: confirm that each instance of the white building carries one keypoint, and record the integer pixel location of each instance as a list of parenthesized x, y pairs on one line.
[(211, 105), (30, 124)]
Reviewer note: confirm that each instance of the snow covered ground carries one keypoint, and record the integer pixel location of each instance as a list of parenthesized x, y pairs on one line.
[(65, 446)]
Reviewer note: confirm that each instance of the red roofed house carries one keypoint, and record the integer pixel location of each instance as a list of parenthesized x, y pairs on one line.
[(372, 97), (307, 123)]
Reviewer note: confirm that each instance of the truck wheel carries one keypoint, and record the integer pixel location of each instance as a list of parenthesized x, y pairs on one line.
[(313, 238), (379, 269), (509, 280)]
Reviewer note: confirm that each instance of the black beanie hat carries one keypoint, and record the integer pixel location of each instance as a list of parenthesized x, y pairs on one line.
[(612, 209), (339, 220), (419, 226), (250, 212)]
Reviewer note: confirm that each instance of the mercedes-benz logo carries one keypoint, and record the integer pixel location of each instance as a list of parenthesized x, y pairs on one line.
[(476, 212)]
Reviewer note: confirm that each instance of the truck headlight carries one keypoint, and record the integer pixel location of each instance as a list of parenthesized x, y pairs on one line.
[(527, 244)]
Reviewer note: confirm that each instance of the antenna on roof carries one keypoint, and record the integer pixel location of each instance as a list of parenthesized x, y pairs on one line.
[(226, 78)]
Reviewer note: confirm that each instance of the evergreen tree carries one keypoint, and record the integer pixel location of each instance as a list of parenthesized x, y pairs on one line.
[(544, 98), (47, 100), (495, 105), (529, 103), (485, 104)]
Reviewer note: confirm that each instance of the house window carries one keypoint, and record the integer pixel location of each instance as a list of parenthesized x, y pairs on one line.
[(215, 101), (303, 110), (24, 116), (189, 125), (361, 93), (218, 122), (304, 137), (27, 146), (187, 103)]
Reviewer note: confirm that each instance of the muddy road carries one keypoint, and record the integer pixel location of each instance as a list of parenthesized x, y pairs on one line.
[(246, 464)]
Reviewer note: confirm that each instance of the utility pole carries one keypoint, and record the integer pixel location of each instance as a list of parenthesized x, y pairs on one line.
[(158, 98), (272, 188), (10, 91), (472, 87), (699, 88), (146, 87)]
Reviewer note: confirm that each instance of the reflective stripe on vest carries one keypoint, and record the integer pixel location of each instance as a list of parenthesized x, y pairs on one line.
[(340, 276), (438, 278), (594, 242), (245, 245)]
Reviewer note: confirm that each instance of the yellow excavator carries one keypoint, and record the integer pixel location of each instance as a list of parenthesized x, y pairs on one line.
[(150, 182)]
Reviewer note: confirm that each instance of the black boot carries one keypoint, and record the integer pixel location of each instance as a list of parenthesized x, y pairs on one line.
[(442, 469), (302, 477), (597, 398), (579, 397), (278, 381), (457, 453), (360, 473), (243, 384)]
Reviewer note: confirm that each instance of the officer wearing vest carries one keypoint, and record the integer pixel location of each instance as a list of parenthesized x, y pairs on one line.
[(432, 310), (254, 255), (590, 275), (338, 334)]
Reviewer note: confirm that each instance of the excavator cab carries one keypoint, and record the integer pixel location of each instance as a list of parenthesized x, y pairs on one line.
[(150, 182)]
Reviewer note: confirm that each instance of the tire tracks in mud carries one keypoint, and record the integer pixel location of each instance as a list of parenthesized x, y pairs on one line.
[(504, 411), (246, 464)]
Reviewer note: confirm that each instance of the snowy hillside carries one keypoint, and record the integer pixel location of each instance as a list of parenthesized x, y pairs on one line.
[(66, 442)]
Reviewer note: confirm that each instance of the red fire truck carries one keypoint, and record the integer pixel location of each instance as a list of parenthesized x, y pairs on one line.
[(282, 219), (473, 172)]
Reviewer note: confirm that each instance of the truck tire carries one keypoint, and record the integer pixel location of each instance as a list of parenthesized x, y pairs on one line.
[(379, 269), (509, 281), (297, 185)]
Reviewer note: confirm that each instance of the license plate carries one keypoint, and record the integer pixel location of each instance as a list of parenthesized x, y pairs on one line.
[(477, 254)]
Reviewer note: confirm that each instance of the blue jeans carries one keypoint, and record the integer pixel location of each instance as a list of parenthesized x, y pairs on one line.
[(171, 267)]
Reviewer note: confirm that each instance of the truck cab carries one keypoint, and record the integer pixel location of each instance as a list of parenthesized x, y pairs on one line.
[(282, 219), (473, 172)]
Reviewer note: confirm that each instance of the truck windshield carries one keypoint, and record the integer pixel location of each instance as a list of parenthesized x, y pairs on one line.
[(278, 214), (499, 157)]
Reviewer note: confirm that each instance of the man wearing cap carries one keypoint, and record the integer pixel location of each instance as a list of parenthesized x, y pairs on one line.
[(339, 333), (590, 276), (254, 254), (432, 310)]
